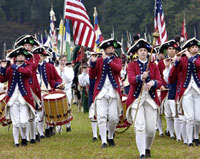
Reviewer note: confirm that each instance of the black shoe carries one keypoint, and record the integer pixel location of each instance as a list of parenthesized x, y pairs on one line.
[(196, 141), (104, 145), (42, 137), (142, 157), (167, 133), (51, 131), (111, 142), (172, 137), (68, 129), (147, 153), (47, 133), (161, 135), (24, 142), (94, 139), (190, 145), (32, 141), (37, 138), (16, 145)]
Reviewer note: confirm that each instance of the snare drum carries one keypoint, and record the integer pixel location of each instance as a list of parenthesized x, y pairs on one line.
[(56, 108), (2, 107)]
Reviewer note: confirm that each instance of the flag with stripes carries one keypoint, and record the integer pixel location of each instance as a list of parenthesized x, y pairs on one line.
[(83, 31), (159, 23)]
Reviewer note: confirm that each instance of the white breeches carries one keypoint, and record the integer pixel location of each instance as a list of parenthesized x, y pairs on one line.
[(107, 110), (69, 95), (169, 109), (191, 106), (19, 114), (145, 120)]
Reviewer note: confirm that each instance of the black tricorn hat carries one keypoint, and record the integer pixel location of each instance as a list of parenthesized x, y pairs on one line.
[(141, 43), (166, 45), (26, 39), (20, 51), (191, 42), (109, 42), (41, 50)]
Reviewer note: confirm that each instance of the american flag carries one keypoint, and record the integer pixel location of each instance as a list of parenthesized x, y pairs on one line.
[(159, 22), (83, 30)]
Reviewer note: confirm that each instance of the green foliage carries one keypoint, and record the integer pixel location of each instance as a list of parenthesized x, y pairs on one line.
[(136, 16)]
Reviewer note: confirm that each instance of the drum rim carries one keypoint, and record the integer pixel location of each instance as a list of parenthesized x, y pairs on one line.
[(54, 92)]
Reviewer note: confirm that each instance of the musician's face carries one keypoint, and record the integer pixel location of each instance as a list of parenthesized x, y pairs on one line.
[(63, 61), (171, 51), (20, 57), (193, 49), (28, 47), (42, 57), (161, 56), (109, 49), (142, 54)]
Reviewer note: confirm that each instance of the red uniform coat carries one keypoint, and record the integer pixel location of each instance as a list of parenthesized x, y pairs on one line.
[(187, 67), (49, 75), (135, 69), (18, 75), (34, 81), (100, 68), (161, 66)]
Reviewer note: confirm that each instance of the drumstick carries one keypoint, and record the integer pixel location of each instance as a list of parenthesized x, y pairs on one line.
[(62, 84)]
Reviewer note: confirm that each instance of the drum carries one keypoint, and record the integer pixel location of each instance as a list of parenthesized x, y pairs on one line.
[(123, 122), (56, 108), (2, 107)]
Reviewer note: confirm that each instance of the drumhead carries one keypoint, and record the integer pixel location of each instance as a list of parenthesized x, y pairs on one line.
[(2, 96), (54, 96)]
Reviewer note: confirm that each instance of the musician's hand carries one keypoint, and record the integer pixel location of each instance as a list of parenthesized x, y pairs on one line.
[(3, 64), (187, 53), (104, 56), (178, 58), (148, 85), (144, 75), (162, 88), (93, 58), (61, 68), (61, 86), (167, 63), (12, 61)]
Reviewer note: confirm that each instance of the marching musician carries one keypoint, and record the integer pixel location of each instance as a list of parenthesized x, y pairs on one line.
[(107, 92), (48, 78), (29, 42), (20, 107), (146, 106), (169, 100), (189, 96), (92, 116), (66, 72)]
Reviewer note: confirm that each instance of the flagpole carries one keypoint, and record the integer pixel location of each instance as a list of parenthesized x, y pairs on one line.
[(63, 28)]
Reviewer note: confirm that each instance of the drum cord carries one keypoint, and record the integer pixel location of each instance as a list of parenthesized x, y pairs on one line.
[(121, 132)]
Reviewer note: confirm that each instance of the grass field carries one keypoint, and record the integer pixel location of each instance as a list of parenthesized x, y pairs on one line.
[(78, 144)]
